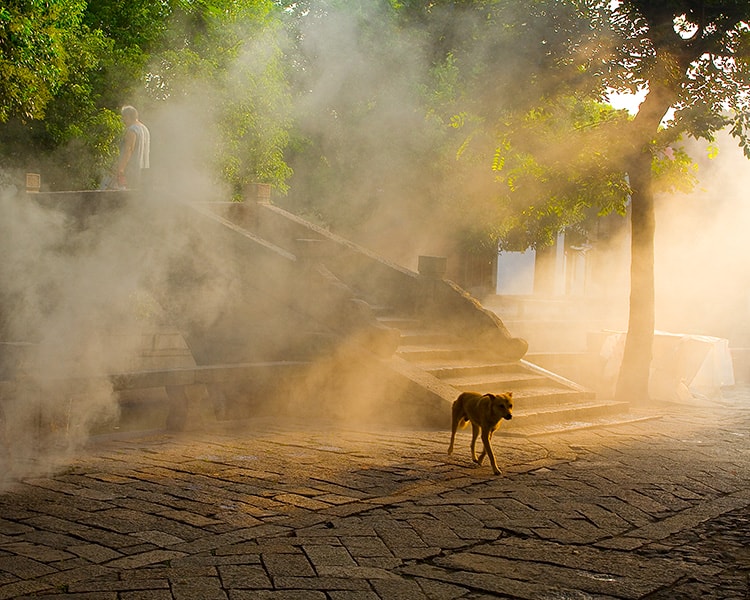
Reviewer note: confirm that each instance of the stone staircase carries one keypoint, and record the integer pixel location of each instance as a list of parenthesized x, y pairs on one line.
[(302, 296), (544, 401), (437, 358)]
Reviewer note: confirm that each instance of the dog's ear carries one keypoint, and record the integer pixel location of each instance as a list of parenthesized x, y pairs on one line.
[(509, 394)]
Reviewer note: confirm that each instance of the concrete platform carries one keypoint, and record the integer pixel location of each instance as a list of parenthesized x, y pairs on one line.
[(654, 509)]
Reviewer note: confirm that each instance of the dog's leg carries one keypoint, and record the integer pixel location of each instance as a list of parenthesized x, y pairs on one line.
[(487, 441), (453, 437), (455, 420), (474, 435)]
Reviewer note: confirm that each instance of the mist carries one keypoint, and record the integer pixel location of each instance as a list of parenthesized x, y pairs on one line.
[(702, 272), (66, 294), (370, 163), (80, 295), (85, 290)]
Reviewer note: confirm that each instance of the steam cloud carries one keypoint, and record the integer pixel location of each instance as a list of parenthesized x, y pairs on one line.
[(73, 307), (702, 271), (78, 295)]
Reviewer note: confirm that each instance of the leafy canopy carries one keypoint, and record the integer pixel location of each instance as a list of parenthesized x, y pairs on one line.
[(67, 66), (35, 53)]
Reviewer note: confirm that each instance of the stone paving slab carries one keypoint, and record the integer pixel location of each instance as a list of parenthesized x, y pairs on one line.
[(653, 510)]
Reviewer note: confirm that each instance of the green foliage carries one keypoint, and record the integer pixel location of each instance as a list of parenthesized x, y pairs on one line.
[(696, 51), (227, 52), (493, 108), (67, 67), (525, 127), (133, 29), (674, 171), (554, 173), (362, 146), (533, 107), (48, 92), (35, 53), (689, 56)]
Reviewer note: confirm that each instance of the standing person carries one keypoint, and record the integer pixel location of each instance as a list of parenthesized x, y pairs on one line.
[(134, 150)]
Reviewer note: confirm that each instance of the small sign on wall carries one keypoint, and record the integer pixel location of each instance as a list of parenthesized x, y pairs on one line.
[(33, 182)]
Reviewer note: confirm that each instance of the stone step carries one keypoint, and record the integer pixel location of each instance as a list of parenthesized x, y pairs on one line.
[(538, 397), (426, 338), (438, 364), (474, 370), (563, 414), (544, 400), (507, 380), (533, 429), (430, 355), (534, 396), (402, 323), (548, 396)]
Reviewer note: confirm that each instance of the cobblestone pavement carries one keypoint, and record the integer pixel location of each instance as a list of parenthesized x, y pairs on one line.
[(653, 510)]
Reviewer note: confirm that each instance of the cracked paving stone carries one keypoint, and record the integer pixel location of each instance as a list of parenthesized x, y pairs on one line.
[(651, 511)]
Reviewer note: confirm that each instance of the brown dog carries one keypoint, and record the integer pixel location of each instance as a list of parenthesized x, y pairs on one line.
[(483, 412)]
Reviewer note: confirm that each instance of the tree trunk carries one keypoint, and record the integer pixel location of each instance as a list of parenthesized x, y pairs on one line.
[(632, 384)]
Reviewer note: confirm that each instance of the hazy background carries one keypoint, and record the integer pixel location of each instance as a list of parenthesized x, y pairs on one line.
[(702, 249), (71, 291)]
